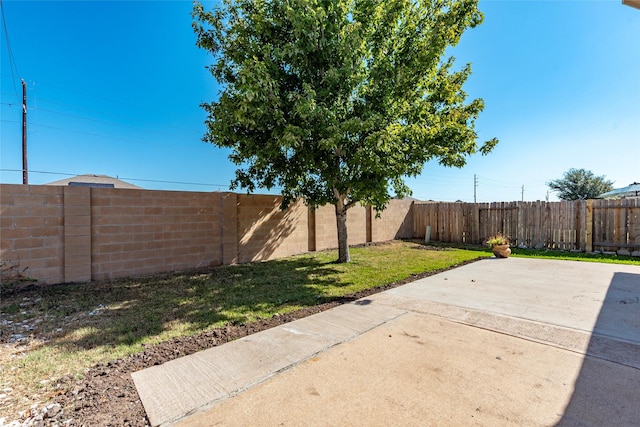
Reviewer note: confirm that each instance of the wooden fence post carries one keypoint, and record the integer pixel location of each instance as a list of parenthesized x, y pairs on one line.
[(588, 235)]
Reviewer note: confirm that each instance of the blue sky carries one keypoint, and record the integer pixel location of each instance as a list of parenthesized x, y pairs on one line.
[(114, 88)]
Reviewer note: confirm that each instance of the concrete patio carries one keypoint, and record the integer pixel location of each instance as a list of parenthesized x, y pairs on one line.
[(497, 342)]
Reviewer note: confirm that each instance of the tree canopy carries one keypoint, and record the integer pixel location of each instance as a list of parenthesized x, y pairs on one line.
[(336, 101), (580, 184)]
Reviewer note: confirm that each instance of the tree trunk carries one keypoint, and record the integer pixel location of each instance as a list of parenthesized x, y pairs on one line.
[(343, 240)]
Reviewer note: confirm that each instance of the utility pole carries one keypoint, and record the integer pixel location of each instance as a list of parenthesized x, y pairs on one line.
[(25, 170), (475, 185), (523, 193)]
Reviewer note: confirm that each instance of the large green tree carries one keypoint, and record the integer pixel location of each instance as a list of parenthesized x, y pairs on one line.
[(580, 184), (336, 101)]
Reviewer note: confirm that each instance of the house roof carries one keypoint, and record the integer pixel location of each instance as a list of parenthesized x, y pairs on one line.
[(631, 190), (90, 180), (632, 3)]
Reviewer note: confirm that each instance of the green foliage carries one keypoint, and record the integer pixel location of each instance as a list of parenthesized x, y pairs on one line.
[(580, 184), (336, 101), (497, 239)]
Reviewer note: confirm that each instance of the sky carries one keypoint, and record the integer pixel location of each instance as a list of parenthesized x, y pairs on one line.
[(115, 88)]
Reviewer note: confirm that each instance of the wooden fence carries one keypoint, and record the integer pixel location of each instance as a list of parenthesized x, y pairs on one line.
[(584, 225)]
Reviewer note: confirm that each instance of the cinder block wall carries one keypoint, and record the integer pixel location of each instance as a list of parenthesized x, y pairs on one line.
[(32, 232), (326, 231), (266, 232), (78, 234), (395, 222), (140, 232)]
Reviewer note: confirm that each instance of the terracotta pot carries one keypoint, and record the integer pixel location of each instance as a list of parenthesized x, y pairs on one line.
[(501, 251)]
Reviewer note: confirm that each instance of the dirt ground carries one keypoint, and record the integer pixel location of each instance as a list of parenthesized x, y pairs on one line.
[(107, 396)]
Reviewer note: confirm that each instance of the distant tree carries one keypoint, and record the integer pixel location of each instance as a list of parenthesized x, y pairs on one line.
[(579, 184), (336, 101)]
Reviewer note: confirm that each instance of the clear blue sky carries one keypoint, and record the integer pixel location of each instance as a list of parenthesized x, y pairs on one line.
[(114, 88)]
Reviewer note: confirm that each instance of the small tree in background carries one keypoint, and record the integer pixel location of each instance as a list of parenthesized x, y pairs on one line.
[(580, 184), (336, 101)]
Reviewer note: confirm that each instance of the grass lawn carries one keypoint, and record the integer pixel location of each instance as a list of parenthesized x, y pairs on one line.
[(550, 254), (575, 256), (60, 330), (50, 332)]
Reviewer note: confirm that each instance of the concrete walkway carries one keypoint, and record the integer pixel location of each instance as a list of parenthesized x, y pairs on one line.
[(496, 342)]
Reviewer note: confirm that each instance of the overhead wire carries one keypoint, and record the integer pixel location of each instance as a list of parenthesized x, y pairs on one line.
[(92, 96), (14, 73), (36, 122), (100, 98), (102, 121), (10, 94), (122, 178), (132, 179), (136, 141), (12, 62)]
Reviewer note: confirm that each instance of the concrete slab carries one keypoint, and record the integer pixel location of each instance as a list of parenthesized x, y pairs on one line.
[(619, 351), (590, 297), (398, 364), (185, 385), (418, 370)]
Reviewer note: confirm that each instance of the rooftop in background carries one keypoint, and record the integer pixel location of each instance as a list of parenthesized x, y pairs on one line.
[(90, 180), (631, 190), (632, 3)]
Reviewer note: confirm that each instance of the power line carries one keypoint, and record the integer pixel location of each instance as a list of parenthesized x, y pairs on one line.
[(114, 101), (502, 182), (106, 136), (37, 124), (12, 61), (174, 182), (103, 121), (145, 108), (9, 94), (178, 132), (129, 179)]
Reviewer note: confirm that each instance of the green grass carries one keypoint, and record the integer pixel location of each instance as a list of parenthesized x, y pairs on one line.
[(76, 326), (575, 256), (79, 325), (549, 254)]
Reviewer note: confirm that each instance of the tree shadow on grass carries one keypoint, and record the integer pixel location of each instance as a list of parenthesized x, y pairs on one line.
[(134, 311)]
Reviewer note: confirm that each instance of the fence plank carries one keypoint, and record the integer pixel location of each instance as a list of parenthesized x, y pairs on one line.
[(610, 225)]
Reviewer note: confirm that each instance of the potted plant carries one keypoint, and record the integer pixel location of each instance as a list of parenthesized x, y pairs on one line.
[(499, 244)]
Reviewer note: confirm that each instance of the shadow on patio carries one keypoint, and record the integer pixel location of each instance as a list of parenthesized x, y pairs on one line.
[(607, 389)]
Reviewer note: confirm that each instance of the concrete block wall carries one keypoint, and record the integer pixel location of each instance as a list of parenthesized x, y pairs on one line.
[(77, 234), (357, 218), (140, 232), (266, 232), (32, 233), (229, 228), (324, 228), (395, 222), (326, 231)]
